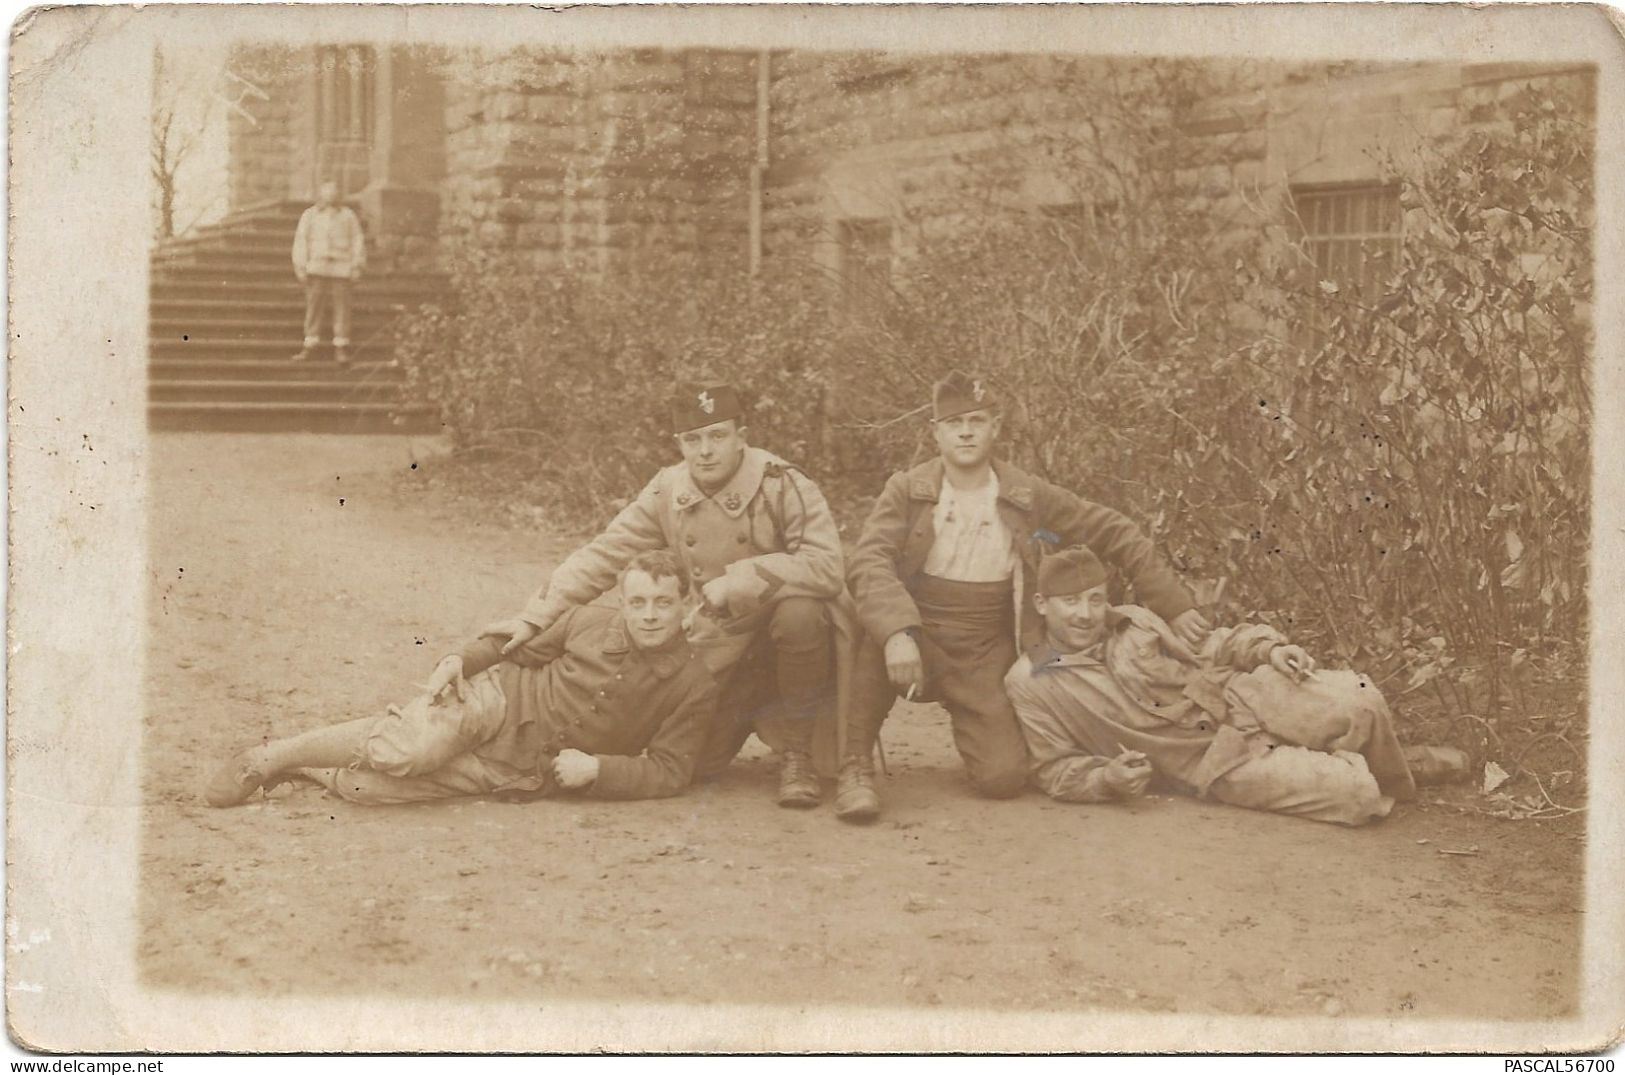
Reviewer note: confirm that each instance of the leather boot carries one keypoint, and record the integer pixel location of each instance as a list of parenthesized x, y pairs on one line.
[(798, 781), (855, 797)]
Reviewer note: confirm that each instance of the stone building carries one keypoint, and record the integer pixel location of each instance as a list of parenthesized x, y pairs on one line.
[(556, 153), (746, 157)]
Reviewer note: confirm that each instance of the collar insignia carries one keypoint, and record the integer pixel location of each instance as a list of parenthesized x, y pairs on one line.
[(682, 500), (731, 501)]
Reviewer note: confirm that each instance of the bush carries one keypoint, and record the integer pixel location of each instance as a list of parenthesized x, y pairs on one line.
[(1398, 479), (568, 374)]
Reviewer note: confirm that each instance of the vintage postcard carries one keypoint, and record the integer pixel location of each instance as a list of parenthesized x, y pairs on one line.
[(813, 528)]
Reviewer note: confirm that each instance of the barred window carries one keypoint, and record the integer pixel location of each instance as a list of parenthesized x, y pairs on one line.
[(1351, 232)]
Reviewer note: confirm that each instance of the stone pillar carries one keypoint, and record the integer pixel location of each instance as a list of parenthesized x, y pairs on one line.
[(402, 202)]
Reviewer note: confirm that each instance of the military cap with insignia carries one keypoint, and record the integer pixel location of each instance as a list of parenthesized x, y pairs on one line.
[(960, 393), (1070, 571), (697, 404)]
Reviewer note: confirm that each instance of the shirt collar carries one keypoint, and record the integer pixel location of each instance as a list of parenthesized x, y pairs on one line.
[(663, 661), (1015, 487), (734, 496)]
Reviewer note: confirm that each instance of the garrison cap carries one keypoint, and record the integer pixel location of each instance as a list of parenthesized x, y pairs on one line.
[(697, 404), (1070, 571), (959, 393)]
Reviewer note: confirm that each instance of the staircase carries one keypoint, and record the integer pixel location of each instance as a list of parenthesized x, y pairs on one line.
[(225, 317)]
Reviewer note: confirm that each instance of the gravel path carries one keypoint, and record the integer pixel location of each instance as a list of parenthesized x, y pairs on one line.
[(294, 583)]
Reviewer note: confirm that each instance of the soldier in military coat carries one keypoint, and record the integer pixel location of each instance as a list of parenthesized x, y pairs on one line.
[(943, 574), (761, 549)]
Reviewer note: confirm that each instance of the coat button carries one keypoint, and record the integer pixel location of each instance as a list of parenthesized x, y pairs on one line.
[(698, 571), (740, 538), (692, 540)]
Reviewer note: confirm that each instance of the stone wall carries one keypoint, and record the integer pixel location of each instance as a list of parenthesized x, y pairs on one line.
[(598, 158), (260, 140), (915, 140)]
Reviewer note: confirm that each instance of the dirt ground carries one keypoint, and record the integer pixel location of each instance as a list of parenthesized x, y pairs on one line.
[(294, 582)]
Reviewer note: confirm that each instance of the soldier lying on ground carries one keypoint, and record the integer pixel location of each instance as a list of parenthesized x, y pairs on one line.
[(940, 575), (1112, 697), (757, 539), (609, 702)]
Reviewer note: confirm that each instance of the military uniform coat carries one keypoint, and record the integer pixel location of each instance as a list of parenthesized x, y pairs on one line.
[(1041, 517), (769, 531)]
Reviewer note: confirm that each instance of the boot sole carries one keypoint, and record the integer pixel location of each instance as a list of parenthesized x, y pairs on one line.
[(860, 816), (798, 802)]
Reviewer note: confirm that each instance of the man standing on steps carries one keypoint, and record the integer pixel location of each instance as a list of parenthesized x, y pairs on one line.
[(943, 576), (329, 252), (759, 544)]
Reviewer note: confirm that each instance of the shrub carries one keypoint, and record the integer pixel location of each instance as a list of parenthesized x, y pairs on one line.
[(1399, 479), (568, 374)]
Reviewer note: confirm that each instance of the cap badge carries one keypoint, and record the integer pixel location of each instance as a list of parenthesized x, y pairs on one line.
[(977, 391), (707, 403)]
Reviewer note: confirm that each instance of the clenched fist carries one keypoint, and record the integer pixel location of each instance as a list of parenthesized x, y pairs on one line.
[(575, 769)]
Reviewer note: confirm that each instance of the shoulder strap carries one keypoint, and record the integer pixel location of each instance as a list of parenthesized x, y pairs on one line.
[(777, 504)]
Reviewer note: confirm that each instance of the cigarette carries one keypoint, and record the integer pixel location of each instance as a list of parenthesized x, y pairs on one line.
[(909, 697)]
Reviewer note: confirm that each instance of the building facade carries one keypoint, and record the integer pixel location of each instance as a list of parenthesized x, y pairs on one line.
[(750, 156)]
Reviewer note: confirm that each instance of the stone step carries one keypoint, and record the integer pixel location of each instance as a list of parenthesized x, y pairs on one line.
[(286, 296), (234, 257), (225, 309), (227, 262), (254, 243), (206, 328), (362, 348), (247, 369), (213, 283), (286, 309), (259, 417), (331, 390)]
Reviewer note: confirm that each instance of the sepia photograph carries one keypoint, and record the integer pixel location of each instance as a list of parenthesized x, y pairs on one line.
[(801, 529)]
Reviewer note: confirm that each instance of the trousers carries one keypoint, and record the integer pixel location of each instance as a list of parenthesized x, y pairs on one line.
[(786, 674), (967, 644), (320, 293), (424, 751)]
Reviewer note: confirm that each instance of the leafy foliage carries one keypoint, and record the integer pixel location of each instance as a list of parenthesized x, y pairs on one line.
[(568, 374), (1399, 479)]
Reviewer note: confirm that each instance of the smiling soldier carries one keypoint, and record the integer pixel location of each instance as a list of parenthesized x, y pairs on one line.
[(758, 543), (611, 703), (1112, 697), (942, 576)]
